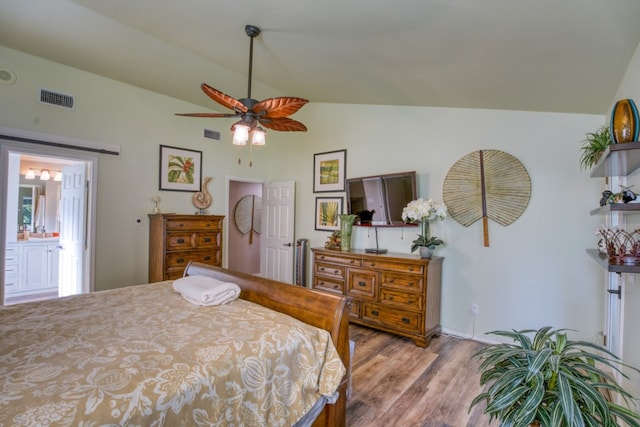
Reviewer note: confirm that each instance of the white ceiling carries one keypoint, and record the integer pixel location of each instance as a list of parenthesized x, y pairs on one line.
[(535, 55)]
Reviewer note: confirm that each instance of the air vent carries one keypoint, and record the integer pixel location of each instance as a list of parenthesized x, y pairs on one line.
[(56, 98), (212, 134)]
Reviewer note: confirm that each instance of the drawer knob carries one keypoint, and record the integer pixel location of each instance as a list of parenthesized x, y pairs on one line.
[(361, 283), (181, 225), (321, 269), (336, 271), (207, 240), (180, 240), (180, 260), (392, 280), (406, 320), (390, 298), (335, 286), (353, 262), (207, 258), (410, 301), (375, 312), (411, 268)]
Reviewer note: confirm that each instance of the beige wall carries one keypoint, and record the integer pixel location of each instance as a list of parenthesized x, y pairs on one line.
[(534, 273)]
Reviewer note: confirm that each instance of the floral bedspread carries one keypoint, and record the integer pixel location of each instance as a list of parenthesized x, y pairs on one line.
[(143, 356)]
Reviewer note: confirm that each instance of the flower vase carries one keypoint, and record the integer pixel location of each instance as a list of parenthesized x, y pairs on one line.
[(346, 228), (426, 252)]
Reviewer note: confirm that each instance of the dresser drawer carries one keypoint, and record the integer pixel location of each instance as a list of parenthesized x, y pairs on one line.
[(329, 270), (181, 259), (394, 265), (392, 317), (400, 299), (362, 284), (411, 282), (180, 241), (328, 285), (339, 259), (174, 224), (207, 240)]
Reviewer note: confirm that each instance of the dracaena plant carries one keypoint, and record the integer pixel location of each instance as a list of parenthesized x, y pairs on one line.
[(551, 381)]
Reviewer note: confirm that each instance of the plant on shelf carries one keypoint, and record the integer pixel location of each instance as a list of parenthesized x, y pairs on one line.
[(593, 146), (421, 212), (552, 381)]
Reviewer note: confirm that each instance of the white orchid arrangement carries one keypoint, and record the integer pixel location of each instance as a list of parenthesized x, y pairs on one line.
[(422, 211)]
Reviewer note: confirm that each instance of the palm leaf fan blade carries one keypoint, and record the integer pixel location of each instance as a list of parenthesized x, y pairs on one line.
[(283, 124), (223, 99), (274, 108)]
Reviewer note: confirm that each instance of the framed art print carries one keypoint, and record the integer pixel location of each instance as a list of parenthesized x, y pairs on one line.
[(329, 170), (180, 169), (328, 210)]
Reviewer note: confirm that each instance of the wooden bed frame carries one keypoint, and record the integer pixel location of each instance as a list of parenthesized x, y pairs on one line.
[(322, 310)]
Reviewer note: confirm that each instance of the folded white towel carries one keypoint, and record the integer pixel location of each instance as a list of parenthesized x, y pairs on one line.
[(202, 290)]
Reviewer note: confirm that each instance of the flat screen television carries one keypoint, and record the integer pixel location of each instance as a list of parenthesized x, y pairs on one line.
[(378, 200)]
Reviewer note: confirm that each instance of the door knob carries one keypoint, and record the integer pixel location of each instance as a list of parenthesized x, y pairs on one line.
[(287, 244)]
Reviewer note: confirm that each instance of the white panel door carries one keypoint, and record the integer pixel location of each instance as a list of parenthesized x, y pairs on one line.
[(72, 230), (277, 246)]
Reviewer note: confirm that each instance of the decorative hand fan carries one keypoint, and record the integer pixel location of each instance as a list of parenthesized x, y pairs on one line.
[(487, 184)]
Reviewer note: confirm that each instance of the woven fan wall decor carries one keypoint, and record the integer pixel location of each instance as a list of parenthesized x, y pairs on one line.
[(487, 184)]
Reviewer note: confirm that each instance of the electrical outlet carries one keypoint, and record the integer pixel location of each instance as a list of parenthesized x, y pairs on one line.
[(475, 309)]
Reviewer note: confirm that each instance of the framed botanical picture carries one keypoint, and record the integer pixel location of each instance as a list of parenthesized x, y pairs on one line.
[(329, 170), (180, 169), (328, 210)]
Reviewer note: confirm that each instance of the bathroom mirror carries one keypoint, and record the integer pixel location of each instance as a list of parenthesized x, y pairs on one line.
[(27, 198)]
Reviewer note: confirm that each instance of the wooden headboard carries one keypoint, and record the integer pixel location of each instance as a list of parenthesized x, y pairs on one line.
[(323, 310)]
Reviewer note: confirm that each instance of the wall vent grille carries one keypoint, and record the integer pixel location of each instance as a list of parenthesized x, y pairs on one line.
[(56, 98), (212, 134)]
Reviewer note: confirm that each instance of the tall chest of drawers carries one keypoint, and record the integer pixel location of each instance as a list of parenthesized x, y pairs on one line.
[(174, 240), (397, 293)]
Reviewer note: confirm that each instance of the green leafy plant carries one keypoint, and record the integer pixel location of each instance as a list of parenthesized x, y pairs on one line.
[(593, 146), (552, 381)]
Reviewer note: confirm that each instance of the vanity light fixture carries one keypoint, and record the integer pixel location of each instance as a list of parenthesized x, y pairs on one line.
[(30, 174), (44, 175), (58, 176)]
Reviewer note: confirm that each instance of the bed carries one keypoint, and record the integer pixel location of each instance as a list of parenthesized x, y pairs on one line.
[(144, 356)]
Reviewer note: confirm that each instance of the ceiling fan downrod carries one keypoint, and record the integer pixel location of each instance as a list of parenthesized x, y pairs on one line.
[(253, 32)]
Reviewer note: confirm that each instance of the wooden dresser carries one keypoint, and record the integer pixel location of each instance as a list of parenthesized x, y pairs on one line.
[(174, 240), (397, 293)]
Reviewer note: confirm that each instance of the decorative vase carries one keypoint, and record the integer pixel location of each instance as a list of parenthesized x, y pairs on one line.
[(625, 124), (346, 227), (426, 252)]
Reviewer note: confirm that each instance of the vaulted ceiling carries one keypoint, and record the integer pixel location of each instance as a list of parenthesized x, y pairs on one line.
[(534, 55)]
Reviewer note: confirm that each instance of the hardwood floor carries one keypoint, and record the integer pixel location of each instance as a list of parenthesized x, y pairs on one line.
[(396, 383)]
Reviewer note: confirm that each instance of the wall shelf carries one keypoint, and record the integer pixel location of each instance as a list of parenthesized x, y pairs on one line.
[(624, 208), (603, 260), (618, 160)]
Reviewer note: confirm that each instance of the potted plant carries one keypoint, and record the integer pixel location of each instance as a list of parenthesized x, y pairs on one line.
[(593, 146), (551, 381), (421, 212)]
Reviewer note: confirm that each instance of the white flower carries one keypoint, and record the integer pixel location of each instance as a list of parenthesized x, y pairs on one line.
[(424, 210)]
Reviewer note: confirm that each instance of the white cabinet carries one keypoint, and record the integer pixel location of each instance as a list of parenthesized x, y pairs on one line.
[(31, 268), (11, 268)]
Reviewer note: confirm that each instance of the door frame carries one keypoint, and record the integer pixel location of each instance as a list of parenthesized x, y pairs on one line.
[(9, 146)]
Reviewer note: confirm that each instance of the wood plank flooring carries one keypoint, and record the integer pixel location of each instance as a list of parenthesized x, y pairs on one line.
[(396, 383)]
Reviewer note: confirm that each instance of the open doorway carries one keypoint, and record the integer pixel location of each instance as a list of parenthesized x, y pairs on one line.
[(46, 227), (245, 225)]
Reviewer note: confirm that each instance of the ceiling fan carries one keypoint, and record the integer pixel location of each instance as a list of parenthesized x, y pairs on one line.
[(271, 113)]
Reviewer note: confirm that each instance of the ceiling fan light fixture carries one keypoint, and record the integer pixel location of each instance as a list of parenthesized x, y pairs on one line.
[(258, 136), (240, 133)]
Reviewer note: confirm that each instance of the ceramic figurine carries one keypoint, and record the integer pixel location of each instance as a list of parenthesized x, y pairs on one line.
[(606, 195), (627, 194)]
